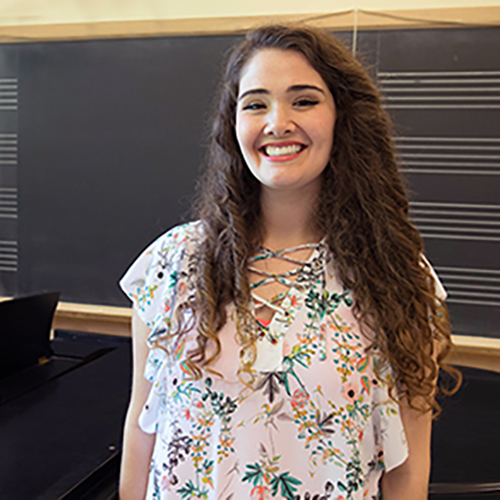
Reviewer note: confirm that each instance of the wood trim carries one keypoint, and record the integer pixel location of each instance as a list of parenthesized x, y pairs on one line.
[(345, 20), (93, 319), (90, 318), (476, 352)]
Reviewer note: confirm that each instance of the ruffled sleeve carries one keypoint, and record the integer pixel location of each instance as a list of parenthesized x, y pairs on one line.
[(155, 283), (389, 429), (152, 284)]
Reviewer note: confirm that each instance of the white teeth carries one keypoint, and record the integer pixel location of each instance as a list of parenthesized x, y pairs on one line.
[(282, 151)]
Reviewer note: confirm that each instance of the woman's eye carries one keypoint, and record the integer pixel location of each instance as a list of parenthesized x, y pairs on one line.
[(306, 102), (254, 106)]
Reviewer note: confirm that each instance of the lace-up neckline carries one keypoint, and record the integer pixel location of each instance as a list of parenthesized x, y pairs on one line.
[(286, 278)]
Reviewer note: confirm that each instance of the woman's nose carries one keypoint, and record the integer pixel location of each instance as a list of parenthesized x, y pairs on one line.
[(279, 121)]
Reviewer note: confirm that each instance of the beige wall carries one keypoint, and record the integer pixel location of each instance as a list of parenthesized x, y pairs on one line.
[(21, 12)]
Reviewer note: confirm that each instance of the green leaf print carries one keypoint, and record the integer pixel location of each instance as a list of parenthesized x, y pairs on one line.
[(223, 406), (354, 475), (173, 279), (354, 478), (188, 490), (254, 474), (207, 467), (287, 484), (323, 304)]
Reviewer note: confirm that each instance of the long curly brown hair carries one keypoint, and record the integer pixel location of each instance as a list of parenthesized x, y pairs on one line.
[(362, 210)]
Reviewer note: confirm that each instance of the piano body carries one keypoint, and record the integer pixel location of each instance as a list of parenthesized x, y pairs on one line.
[(61, 413)]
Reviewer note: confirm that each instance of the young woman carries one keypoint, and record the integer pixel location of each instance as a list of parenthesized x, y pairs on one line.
[(290, 339)]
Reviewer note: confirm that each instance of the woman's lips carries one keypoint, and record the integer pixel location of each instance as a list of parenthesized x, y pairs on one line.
[(283, 151)]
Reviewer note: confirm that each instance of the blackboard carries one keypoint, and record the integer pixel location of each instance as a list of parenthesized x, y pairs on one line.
[(101, 142)]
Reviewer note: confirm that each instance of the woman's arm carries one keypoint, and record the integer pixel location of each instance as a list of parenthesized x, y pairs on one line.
[(410, 480), (137, 445)]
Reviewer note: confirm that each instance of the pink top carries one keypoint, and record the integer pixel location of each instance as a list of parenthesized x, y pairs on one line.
[(315, 421)]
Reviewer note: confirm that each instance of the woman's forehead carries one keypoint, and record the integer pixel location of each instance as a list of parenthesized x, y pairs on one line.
[(278, 68)]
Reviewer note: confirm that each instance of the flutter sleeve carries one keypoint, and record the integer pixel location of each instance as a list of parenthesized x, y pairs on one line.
[(152, 282), (144, 281)]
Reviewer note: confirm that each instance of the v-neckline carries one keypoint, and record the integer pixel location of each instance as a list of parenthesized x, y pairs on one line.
[(293, 298)]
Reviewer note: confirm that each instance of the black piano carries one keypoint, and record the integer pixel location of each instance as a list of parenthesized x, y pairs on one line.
[(62, 406)]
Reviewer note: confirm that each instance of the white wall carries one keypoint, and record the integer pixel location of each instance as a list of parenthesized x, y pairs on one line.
[(17, 12)]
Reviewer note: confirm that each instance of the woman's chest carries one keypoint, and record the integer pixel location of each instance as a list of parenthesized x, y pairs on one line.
[(314, 337)]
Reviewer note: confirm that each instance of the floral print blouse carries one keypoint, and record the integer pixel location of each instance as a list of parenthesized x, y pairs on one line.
[(315, 424)]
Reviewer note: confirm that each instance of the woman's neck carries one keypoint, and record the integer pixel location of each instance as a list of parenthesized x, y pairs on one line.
[(288, 218)]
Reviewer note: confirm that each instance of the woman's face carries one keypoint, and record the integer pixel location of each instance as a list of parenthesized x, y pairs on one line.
[(285, 118)]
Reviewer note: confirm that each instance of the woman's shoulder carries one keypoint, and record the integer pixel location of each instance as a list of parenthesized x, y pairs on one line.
[(151, 280), (178, 239)]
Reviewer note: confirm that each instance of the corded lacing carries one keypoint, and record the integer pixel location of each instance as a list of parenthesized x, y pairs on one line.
[(285, 278)]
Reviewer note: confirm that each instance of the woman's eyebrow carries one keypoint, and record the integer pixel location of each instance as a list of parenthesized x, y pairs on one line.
[(299, 88), (253, 91), (293, 88)]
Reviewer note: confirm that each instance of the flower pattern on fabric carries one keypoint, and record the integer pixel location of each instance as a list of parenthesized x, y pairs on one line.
[(315, 423)]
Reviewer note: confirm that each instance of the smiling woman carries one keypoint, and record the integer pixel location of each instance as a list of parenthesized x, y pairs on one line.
[(284, 121), (295, 331)]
